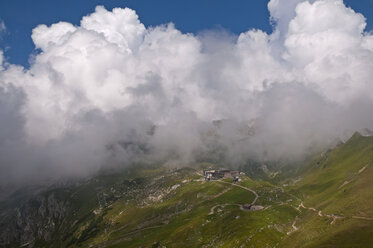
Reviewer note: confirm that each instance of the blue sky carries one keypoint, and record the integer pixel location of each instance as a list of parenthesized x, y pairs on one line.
[(21, 16)]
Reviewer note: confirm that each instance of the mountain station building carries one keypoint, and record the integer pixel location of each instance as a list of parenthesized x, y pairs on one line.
[(222, 173)]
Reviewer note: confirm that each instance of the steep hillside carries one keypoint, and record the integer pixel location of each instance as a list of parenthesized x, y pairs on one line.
[(151, 208), (327, 202), (337, 197)]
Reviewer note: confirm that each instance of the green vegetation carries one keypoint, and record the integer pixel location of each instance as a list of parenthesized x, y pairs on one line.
[(327, 202), (340, 183)]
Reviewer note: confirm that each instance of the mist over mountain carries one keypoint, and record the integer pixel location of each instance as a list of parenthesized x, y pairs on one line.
[(111, 91)]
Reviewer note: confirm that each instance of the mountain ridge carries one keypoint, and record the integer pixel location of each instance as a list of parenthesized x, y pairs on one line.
[(324, 203)]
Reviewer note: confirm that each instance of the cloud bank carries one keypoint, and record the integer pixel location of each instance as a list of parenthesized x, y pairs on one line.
[(111, 91)]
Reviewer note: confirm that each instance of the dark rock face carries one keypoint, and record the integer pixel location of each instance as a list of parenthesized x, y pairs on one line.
[(37, 219), (70, 214)]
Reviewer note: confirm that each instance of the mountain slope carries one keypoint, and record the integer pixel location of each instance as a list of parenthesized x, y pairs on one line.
[(326, 203), (172, 208), (339, 184)]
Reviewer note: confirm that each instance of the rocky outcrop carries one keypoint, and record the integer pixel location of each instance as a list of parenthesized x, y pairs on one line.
[(38, 219)]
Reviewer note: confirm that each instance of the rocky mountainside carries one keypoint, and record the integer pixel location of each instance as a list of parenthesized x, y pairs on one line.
[(324, 202), (37, 219)]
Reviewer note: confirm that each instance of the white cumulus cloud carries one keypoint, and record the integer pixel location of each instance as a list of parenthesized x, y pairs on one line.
[(111, 91)]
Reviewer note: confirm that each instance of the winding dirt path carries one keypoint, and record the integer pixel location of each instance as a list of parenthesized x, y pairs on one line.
[(319, 213), (212, 210), (334, 217), (245, 188), (293, 226), (362, 218)]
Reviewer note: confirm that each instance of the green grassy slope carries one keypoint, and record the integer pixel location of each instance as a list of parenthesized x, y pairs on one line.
[(340, 183), (184, 218), (326, 203), (151, 207)]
